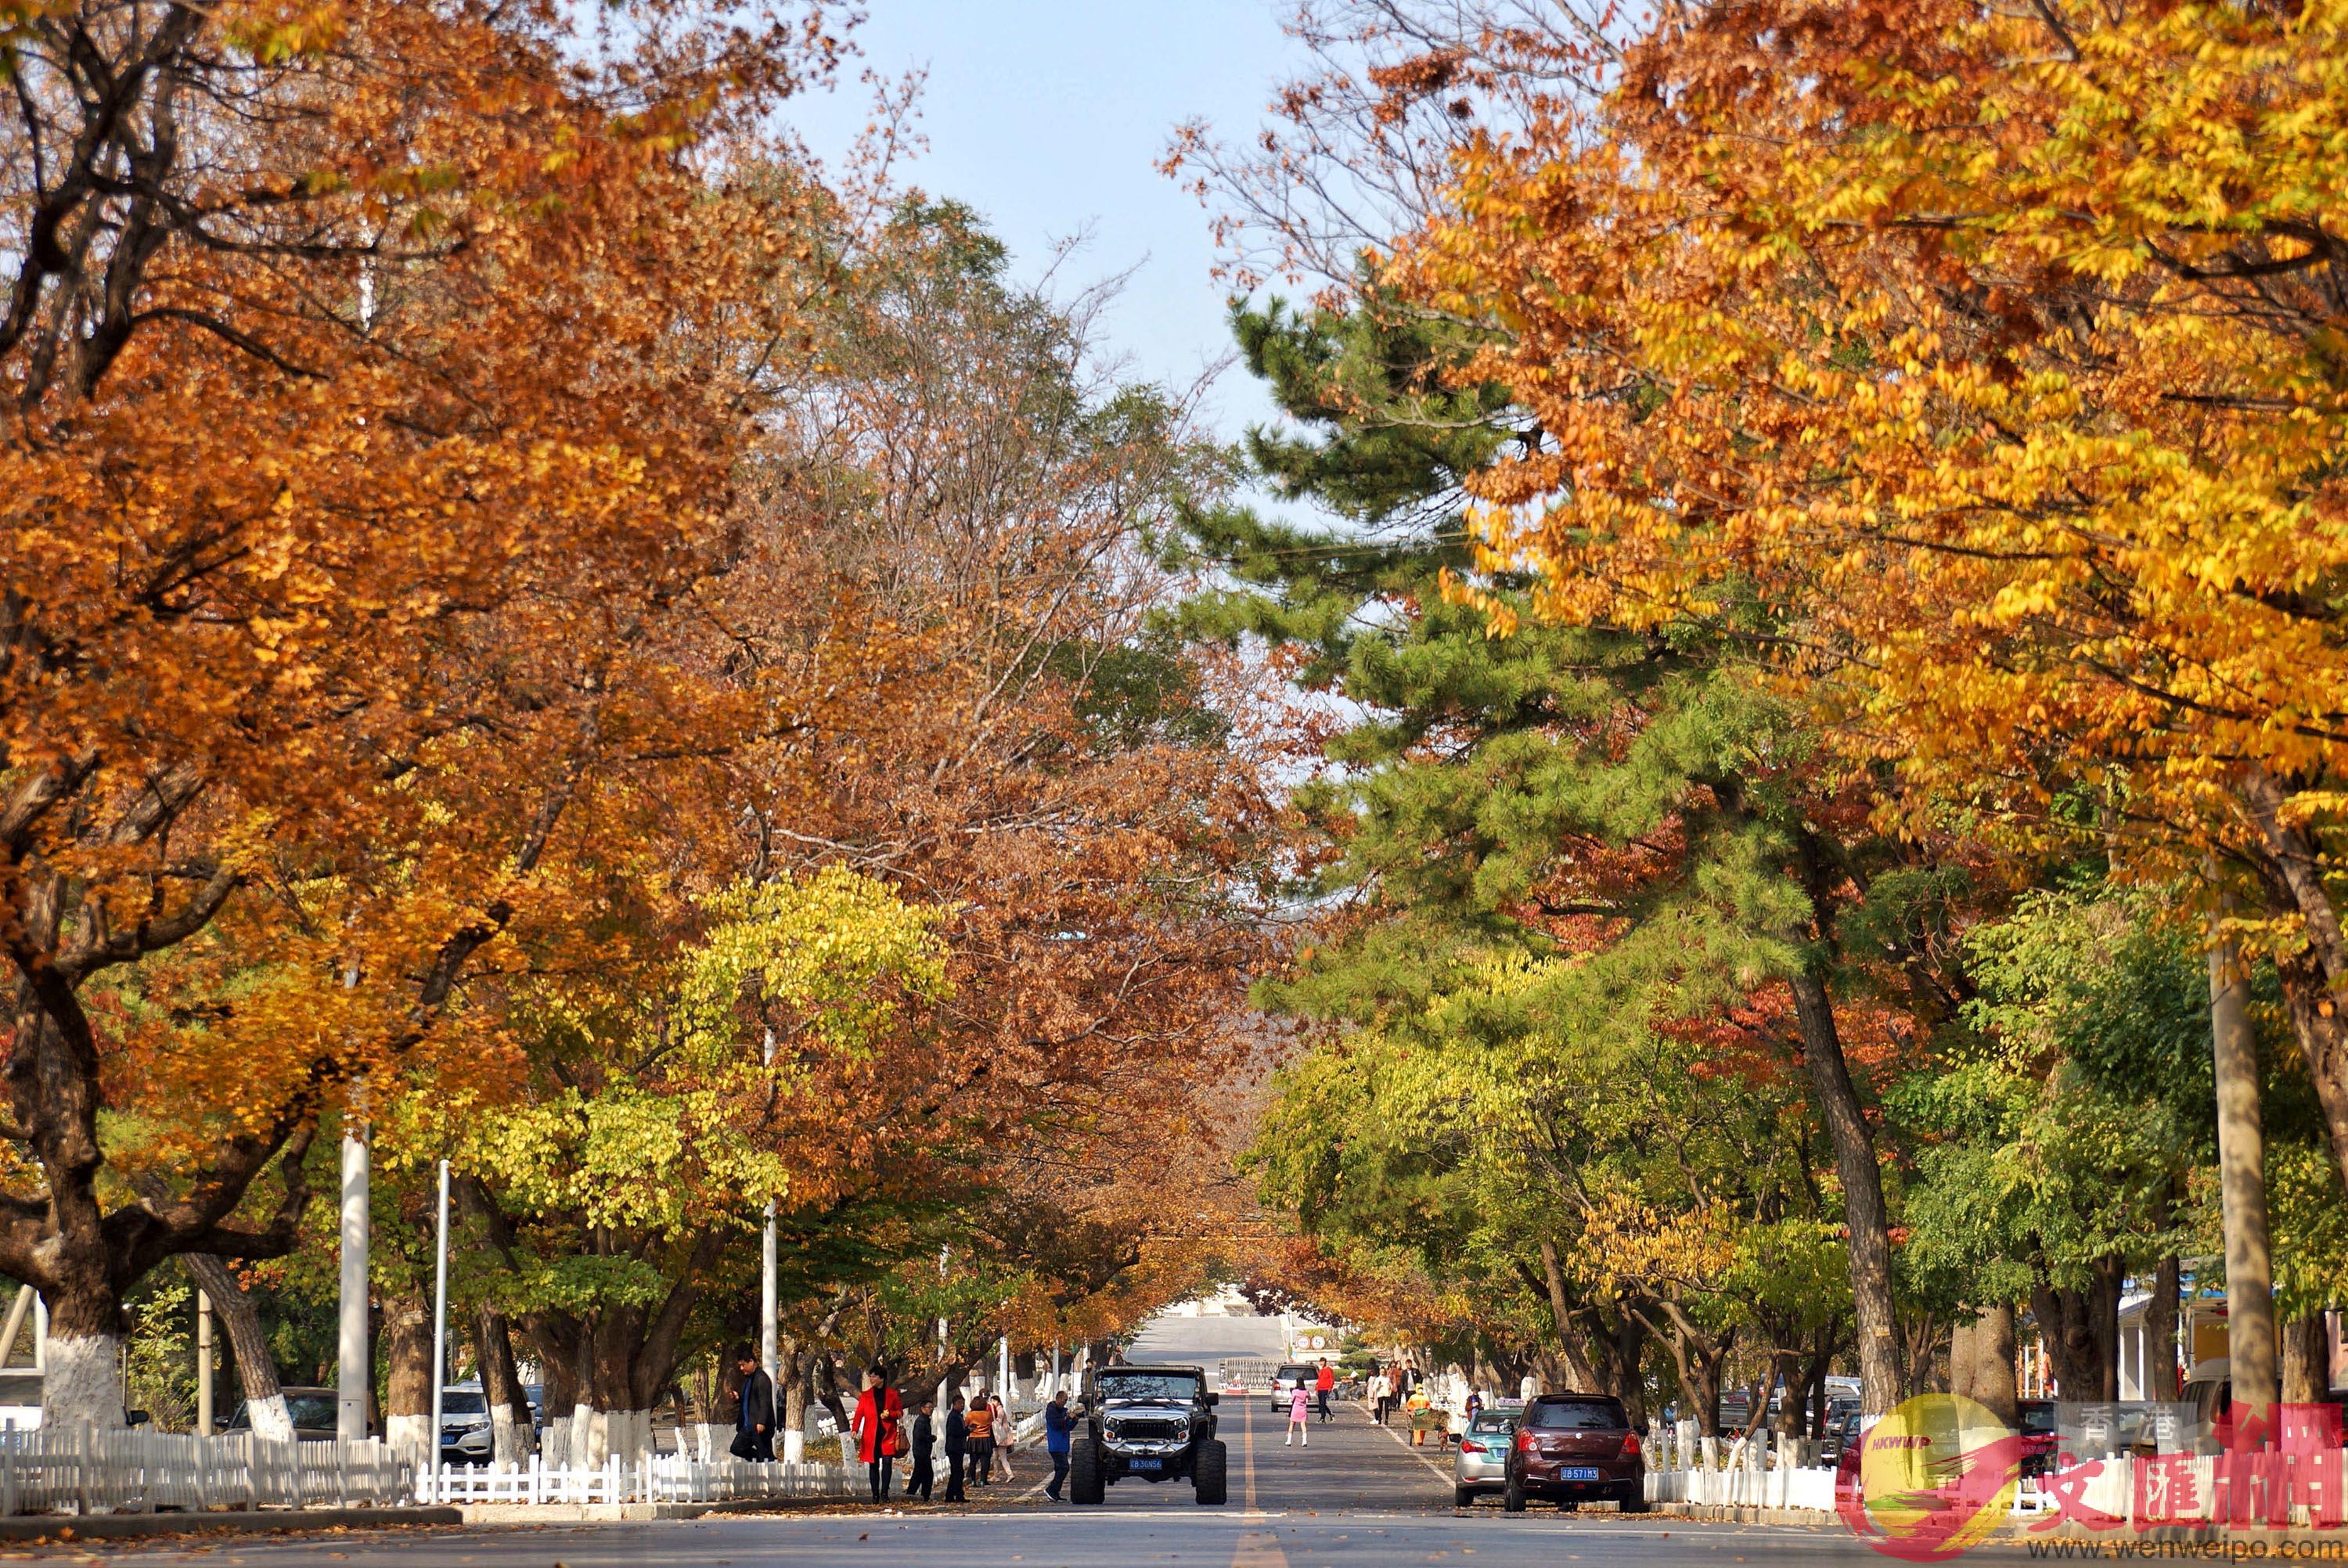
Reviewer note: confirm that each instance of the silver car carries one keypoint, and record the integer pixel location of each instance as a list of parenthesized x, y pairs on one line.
[(1482, 1464)]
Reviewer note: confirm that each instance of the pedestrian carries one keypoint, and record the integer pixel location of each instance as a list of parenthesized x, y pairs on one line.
[(879, 1413), (957, 1449), (1299, 1405), (1003, 1425), (1059, 1426), (1475, 1403), (923, 1474), (754, 1411), (1418, 1407), (982, 1442), (1324, 1382)]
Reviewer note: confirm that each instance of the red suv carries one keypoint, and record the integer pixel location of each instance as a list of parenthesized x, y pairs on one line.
[(1576, 1447)]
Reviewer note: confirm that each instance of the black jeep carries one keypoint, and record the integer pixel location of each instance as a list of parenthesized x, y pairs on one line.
[(1154, 1422)]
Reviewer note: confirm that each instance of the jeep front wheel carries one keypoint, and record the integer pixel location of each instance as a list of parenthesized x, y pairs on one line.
[(1208, 1473), (1084, 1472)]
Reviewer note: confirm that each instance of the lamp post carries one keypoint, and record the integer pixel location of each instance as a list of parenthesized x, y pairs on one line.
[(439, 1326)]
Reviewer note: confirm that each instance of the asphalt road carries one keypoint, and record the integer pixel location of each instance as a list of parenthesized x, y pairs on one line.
[(1355, 1497)]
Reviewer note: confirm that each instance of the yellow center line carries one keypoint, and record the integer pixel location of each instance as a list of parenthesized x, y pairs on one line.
[(1247, 1451), (1257, 1548)]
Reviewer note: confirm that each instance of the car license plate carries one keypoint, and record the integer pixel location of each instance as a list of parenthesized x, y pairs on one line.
[(1153, 1462), (1577, 1472)]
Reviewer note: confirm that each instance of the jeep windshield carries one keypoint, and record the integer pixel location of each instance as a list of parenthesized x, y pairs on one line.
[(1180, 1388)]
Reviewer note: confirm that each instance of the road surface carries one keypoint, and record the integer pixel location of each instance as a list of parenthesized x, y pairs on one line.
[(1355, 1497)]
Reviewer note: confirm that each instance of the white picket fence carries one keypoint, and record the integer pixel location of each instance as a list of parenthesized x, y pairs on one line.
[(105, 1469), (651, 1478), (1790, 1487)]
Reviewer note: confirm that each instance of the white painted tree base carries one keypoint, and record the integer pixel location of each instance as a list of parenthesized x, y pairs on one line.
[(271, 1418), (794, 1446), (410, 1437), (83, 1383), (598, 1435), (509, 1434)]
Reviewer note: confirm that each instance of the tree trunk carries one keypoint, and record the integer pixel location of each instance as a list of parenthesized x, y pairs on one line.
[(511, 1434), (1961, 1357), (2306, 1360), (408, 1400), (1864, 1210), (2067, 1327), (791, 1387), (2242, 1186), (2159, 1378), (1992, 1363), (256, 1369), (2315, 979)]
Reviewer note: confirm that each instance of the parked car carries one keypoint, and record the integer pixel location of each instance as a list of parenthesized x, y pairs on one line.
[(1291, 1375), (313, 1411), (465, 1436), (2040, 1436), (1572, 1449), (1482, 1464), (1842, 1434)]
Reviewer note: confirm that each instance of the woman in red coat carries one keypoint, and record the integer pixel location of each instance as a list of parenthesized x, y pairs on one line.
[(878, 1426)]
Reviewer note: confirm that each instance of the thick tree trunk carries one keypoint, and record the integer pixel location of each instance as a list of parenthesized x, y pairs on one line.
[(1992, 1363), (2306, 1360), (511, 1434), (1962, 1353), (256, 1370), (2242, 1186), (2160, 1332), (791, 1387), (408, 1396), (560, 1395), (1864, 1210), (2315, 979)]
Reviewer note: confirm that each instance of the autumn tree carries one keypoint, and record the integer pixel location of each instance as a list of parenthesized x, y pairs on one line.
[(353, 448)]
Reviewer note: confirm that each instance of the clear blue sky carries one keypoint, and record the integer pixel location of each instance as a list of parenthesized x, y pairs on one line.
[(1048, 115)]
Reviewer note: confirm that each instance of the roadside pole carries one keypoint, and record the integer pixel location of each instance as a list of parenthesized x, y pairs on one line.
[(204, 1365), (440, 1326)]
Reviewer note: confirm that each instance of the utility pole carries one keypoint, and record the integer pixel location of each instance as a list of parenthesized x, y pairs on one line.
[(204, 1364), (770, 1353), (440, 1326), (354, 1363)]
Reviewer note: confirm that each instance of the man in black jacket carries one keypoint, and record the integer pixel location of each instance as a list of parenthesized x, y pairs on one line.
[(754, 1419), (918, 1483), (957, 1447)]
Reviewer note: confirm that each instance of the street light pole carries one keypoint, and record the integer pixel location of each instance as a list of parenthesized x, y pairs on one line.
[(440, 1326), (770, 1346), (204, 1364)]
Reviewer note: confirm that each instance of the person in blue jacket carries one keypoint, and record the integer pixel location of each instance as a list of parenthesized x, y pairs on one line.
[(1057, 1426)]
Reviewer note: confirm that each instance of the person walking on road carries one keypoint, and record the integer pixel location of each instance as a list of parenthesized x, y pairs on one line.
[(1001, 1424), (923, 1474), (879, 1415), (1324, 1382), (1059, 1427), (754, 1413), (957, 1450), (1418, 1407), (1300, 1406), (982, 1442)]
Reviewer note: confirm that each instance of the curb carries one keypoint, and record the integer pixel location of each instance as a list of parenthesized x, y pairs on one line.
[(610, 1512), (1738, 1513), (247, 1522)]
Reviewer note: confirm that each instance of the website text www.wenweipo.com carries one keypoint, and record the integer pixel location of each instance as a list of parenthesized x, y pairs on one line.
[(2208, 1550)]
